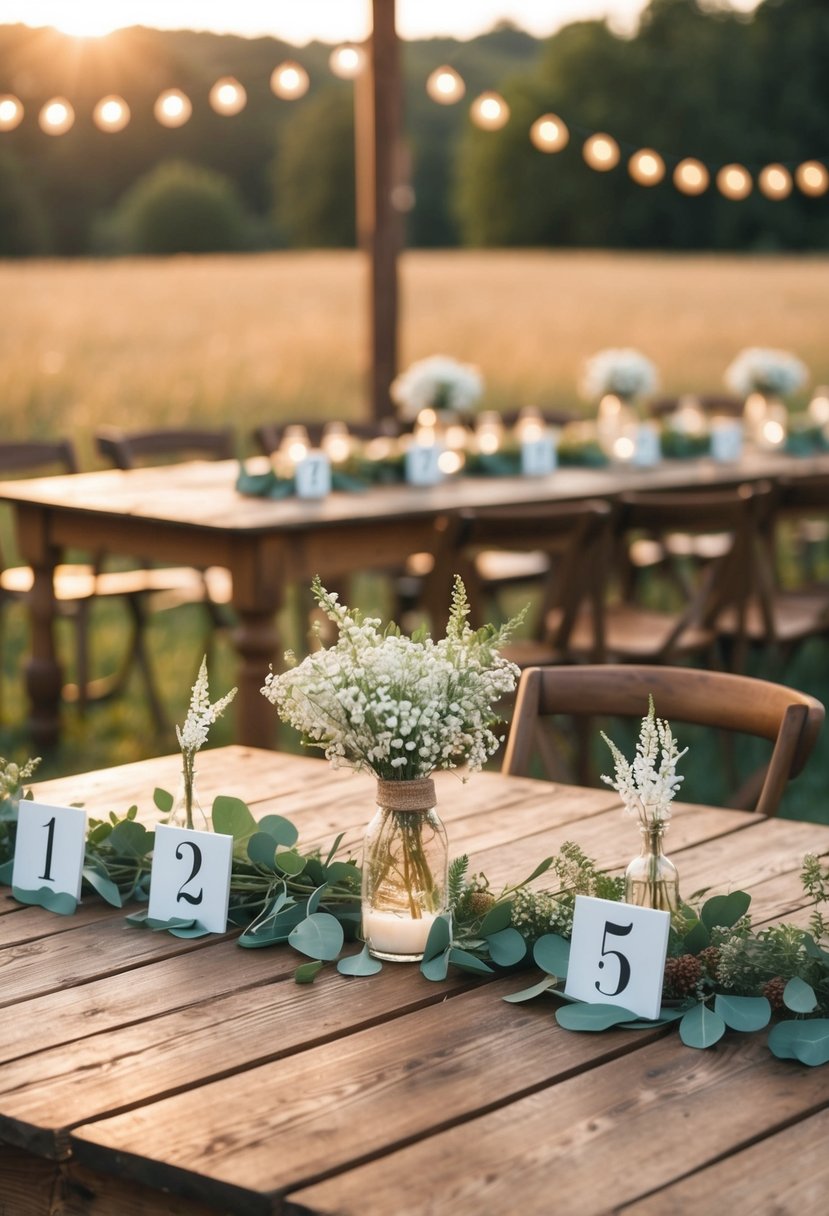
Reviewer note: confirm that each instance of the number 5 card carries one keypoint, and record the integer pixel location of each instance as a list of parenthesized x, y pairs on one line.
[(191, 877), (49, 848), (617, 955)]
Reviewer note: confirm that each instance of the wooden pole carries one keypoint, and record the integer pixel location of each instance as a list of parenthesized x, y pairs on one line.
[(378, 117)]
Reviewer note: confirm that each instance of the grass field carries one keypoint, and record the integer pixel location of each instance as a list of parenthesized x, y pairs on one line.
[(240, 340)]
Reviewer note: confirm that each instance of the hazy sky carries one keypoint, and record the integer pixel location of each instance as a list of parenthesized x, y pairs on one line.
[(299, 21)]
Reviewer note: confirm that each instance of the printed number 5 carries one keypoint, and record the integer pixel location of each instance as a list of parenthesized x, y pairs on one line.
[(624, 965)]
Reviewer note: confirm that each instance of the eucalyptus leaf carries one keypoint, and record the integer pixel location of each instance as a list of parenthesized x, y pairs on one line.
[(359, 964), (6, 871), (131, 839), (333, 850), (315, 897), (437, 966), (809, 944), (498, 917), (528, 994), (440, 935), (744, 1013), (666, 1015), (541, 868), (306, 973), (701, 1027), (282, 830), (507, 947), (724, 910), (262, 849), (806, 1040), (60, 902), (593, 1017), (194, 930), (290, 863), (163, 799), (105, 887), (552, 954), (799, 996), (697, 938), (319, 936), (468, 962), (143, 921), (232, 817), (343, 871)]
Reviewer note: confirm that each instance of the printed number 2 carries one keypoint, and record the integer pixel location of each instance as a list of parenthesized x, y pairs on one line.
[(50, 844), (624, 965), (182, 894)]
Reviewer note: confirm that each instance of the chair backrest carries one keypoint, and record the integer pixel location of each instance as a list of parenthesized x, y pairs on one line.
[(709, 403), (791, 720), (129, 449), (268, 435), (575, 536), (30, 457)]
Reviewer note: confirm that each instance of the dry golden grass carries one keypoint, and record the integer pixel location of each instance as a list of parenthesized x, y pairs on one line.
[(244, 339)]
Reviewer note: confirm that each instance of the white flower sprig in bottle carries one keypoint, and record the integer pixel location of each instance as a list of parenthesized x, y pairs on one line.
[(187, 811), (647, 787)]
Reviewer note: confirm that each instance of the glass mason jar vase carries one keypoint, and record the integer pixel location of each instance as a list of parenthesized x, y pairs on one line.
[(651, 879), (405, 870), (187, 811)]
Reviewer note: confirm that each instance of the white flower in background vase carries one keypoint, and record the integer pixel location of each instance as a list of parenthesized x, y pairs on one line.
[(624, 373), (439, 383)]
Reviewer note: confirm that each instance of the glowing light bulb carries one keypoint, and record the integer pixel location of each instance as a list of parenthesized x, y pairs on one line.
[(734, 182), (646, 167), (11, 112), (227, 96), (290, 80), (172, 108), (601, 152), (111, 114), (775, 181), (347, 61), (445, 86), (691, 176), (549, 134), (57, 116), (812, 178), (490, 112)]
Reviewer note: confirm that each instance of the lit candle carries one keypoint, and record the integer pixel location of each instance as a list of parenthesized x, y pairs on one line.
[(391, 934), (336, 442), (489, 432)]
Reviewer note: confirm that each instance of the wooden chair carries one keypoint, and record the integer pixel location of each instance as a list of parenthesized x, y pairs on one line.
[(790, 720), (695, 593), (571, 543), (174, 586), (710, 403), (78, 585)]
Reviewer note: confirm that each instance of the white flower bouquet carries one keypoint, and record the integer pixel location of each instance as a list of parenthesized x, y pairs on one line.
[(399, 707), (625, 372), (438, 383), (761, 370), (647, 789)]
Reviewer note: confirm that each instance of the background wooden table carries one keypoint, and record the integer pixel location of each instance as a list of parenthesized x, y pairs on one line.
[(145, 1074), (192, 513)]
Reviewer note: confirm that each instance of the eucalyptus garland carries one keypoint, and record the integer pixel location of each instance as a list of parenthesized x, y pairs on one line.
[(721, 973)]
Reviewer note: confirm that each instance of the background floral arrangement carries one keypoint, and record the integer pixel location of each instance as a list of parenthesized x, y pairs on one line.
[(625, 372), (761, 370), (439, 383)]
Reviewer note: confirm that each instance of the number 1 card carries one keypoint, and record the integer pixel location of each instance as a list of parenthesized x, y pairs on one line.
[(49, 848), (617, 955)]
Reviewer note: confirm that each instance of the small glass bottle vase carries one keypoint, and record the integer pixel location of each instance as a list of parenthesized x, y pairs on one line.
[(651, 879), (405, 870), (187, 811)]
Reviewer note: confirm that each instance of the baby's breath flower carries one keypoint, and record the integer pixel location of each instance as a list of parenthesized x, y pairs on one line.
[(647, 789)]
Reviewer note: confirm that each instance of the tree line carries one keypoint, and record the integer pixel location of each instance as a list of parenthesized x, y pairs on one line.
[(697, 80)]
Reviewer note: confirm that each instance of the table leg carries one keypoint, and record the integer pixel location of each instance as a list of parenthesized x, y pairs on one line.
[(255, 639), (43, 675)]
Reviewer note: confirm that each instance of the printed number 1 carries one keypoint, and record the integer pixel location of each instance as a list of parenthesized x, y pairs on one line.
[(50, 843), (624, 965)]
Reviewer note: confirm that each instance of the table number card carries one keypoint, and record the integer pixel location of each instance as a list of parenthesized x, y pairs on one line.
[(538, 456), (423, 464), (617, 955), (726, 440), (190, 877), (49, 850), (312, 476)]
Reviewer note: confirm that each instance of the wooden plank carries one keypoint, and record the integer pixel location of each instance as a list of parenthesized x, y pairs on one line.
[(28, 1185), (599, 1140), (33, 923), (345, 1101), (42, 1096), (85, 1193), (788, 1172)]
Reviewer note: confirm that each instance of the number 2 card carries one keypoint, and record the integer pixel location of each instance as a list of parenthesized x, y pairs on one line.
[(617, 955), (191, 877)]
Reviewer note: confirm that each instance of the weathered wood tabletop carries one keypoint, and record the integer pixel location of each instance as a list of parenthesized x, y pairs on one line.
[(193, 513), (147, 1074)]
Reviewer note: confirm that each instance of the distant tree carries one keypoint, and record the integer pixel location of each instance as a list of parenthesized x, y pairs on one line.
[(313, 173), (23, 224), (181, 208)]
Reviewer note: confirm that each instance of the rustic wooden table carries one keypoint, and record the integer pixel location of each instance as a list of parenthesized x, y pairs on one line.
[(144, 1074), (192, 513)]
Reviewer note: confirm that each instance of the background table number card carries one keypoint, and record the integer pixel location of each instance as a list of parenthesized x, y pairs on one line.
[(538, 456), (191, 877), (423, 464), (313, 476), (617, 955), (49, 851)]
